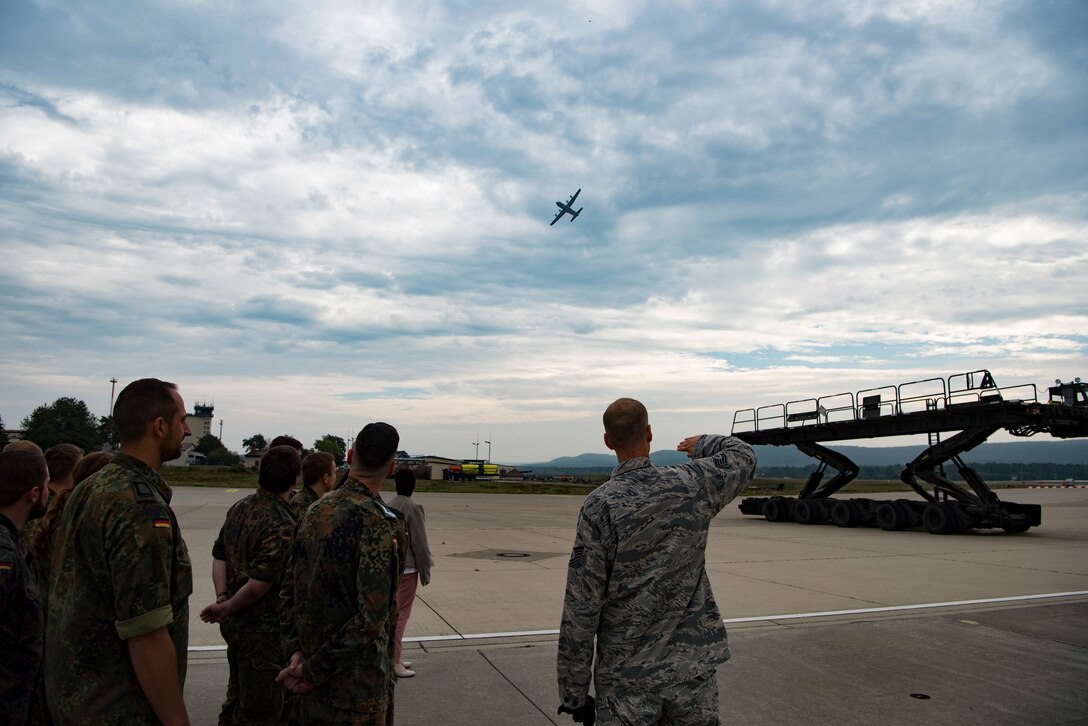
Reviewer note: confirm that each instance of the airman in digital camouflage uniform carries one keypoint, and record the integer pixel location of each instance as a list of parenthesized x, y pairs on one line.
[(23, 496), (637, 582), (318, 478), (249, 558), (115, 650), (339, 594)]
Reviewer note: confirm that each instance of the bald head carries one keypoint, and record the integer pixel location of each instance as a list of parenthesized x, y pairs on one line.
[(626, 426)]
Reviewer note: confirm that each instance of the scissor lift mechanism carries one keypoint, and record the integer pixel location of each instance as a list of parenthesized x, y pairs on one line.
[(970, 404)]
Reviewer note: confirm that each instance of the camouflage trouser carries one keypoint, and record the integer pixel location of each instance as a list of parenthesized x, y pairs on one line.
[(694, 703), (253, 696), (351, 718), (326, 716)]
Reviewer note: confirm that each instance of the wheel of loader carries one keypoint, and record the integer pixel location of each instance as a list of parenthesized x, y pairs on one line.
[(1016, 527), (806, 512), (940, 519), (890, 517), (845, 514), (776, 510)]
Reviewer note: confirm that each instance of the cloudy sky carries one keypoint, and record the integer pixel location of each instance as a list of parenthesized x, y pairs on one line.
[(315, 215)]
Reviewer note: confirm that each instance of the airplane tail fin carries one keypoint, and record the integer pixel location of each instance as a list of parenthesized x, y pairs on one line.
[(574, 215)]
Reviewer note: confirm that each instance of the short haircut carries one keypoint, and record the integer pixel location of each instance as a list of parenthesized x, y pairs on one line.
[(317, 465), (22, 445), (279, 470), (62, 459), (375, 445), (625, 422), (41, 537), (90, 464), (20, 471), (286, 440), (406, 481), (140, 403)]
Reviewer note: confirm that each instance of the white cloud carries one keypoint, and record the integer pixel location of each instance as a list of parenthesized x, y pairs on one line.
[(320, 216)]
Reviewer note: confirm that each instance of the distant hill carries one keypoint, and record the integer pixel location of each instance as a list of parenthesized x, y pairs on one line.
[(1012, 452)]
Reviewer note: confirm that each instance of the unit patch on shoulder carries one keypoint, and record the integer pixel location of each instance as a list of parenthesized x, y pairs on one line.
[(576, 557), (162, 522)]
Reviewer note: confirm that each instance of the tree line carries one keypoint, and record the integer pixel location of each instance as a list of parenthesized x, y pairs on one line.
[(69, 421), (329, 443)]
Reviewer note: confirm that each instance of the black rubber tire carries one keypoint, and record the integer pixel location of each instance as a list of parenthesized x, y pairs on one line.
[(889, 517), (939, 519), (845, 514), (776, 510), (1016, 527), (806, 512)]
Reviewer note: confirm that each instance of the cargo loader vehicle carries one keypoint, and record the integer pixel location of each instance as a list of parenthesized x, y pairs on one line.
[(969, 406)]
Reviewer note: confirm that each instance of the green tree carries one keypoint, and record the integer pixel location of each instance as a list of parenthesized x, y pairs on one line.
[(107, 431), (332, 445), (208, 443), (222, 456), (256, 442), (3, 433), (65, 421)]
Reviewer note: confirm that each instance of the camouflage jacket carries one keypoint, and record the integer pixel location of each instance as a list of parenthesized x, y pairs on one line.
[(637, 578), (301, 501), (255, 542), (120, 569), (20, 628), (339, 600)]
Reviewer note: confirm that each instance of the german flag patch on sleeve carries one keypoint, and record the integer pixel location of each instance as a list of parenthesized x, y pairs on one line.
[(162, 522)]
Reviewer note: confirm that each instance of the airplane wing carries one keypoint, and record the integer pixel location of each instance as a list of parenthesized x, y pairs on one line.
[(574, 197), (557, 217)]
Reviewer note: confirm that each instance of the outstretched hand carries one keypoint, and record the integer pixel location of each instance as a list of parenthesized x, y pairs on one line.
[(688, 444), (584, 714)]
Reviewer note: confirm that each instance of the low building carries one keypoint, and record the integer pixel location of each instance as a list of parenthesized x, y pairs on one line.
[(188, 457), (252, 459)]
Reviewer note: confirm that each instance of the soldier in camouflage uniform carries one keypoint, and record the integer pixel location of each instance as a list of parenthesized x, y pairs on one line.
[(637, 581), (249, 559), (318, 478), (339, 595), (23, 496), (115, 650)]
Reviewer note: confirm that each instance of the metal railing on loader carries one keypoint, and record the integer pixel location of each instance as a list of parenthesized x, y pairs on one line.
[(970, 404)]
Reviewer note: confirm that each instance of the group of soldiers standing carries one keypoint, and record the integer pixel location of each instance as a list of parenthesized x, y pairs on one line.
[(305, 582)]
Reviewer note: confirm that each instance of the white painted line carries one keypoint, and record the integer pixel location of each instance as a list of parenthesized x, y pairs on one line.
[(481, 636), (898, 608), (754, 619)]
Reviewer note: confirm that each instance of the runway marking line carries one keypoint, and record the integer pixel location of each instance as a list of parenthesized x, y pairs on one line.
[(753, 619)]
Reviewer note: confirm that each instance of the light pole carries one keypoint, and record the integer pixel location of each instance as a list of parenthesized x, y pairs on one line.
[(488, 447), (113, 387), (220, 430), (477, 445)]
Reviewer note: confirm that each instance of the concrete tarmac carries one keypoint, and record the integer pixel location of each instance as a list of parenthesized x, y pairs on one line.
[(482, 633)]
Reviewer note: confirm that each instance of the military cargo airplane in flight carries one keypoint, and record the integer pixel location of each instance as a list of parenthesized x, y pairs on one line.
[(567, 209)]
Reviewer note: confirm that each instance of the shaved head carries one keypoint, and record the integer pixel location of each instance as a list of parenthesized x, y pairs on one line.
[(625, 423)]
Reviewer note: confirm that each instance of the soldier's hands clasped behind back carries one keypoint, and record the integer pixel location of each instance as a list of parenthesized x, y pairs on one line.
[(584, 714), (292, 678)]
